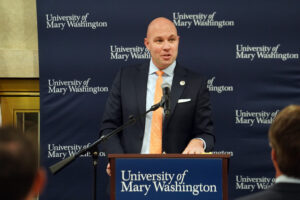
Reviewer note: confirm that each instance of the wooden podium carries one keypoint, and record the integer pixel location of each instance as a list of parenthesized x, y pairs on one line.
[(169, 176)]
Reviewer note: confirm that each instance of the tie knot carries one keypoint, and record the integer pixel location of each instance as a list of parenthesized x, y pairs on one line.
[(159, 73)]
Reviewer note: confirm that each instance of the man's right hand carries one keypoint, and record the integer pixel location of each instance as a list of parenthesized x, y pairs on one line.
[(108, 171)]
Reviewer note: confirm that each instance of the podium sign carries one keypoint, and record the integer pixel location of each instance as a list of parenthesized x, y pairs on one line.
[(165, 176)]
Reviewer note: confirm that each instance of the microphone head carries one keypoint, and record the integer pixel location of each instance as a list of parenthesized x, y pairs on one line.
[(165, 85)]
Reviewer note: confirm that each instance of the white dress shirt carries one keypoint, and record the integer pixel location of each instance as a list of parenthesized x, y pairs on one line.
[(287, 179), (152, 76)]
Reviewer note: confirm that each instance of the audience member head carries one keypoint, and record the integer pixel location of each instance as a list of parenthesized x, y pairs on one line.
[(284, 137), (20, 177)]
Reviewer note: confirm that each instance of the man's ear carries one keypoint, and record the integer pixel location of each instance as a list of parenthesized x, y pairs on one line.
[(38, 183), (146, 43), (274, 160), (273, 155)]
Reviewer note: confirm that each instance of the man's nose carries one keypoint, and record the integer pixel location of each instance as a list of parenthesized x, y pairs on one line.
[(166, 45)]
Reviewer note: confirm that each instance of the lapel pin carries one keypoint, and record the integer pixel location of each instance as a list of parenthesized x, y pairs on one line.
[(182, 83)]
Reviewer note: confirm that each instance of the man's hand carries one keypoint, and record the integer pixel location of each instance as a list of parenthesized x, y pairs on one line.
[(194, 147), (108, 171)]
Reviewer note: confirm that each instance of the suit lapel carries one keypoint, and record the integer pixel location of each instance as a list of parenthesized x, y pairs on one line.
[(178, 85), (141, 80)]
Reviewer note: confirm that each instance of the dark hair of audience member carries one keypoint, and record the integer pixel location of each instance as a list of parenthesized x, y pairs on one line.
[(284, 136), (18, 164)]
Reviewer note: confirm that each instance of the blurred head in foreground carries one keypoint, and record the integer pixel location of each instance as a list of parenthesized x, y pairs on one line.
[(20, 176), (284, 137)]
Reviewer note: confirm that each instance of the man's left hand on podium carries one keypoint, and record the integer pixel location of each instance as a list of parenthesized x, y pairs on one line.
[(195, 146)]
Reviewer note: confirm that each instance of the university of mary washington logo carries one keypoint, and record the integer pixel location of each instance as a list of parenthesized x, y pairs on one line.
[(200, 20), (119, 52)]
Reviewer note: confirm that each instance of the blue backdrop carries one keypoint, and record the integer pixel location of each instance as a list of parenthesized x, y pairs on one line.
[(249, 51)]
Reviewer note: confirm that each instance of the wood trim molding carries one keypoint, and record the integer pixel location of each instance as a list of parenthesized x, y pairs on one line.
[(19, 87)]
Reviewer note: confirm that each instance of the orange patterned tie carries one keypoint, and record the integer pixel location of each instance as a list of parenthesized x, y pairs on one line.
[(157, 119)]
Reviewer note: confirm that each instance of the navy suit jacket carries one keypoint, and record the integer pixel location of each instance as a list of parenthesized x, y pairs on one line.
[(279, 191), (186, 121)]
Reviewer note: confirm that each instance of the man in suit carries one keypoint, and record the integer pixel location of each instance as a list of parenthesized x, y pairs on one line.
[(187, 129), (20, 177), (284, 137)]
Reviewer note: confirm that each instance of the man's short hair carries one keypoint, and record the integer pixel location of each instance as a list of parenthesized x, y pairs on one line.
[(18, 164), (284, 136)]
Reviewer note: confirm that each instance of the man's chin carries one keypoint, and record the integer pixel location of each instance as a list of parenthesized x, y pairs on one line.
[(164, 66), (166, 63)]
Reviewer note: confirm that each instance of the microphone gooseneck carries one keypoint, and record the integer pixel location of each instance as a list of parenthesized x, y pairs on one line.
[(166, 88)]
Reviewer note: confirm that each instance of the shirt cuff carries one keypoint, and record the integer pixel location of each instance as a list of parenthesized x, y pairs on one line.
[(204, 143)]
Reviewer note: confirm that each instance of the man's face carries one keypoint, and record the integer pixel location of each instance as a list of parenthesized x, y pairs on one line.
[(162, 42)]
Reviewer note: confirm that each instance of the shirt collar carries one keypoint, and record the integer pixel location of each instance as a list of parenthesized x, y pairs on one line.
[(287, 179), (169, 71)]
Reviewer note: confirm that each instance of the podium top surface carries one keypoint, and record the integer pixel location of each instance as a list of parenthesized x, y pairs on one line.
[(223, 156)]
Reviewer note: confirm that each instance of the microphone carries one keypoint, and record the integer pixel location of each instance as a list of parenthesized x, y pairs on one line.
[(166, 88)]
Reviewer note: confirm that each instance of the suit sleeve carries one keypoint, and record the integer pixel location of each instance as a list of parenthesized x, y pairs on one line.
[(112, 117), (203, 125)]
